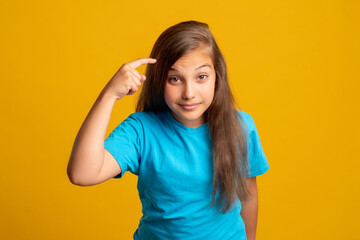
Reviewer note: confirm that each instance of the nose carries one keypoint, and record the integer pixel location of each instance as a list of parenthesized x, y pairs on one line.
[(188, 91)]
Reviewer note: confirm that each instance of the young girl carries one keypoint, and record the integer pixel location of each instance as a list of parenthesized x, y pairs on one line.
[(195, 155)]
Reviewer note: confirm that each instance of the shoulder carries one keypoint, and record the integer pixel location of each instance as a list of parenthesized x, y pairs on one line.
[(146, 119), (135, 127), (257, 158), (246, 120), (141, 115), (243, 114)]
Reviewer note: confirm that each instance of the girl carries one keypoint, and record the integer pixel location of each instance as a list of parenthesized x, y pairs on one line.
[(196, 157)]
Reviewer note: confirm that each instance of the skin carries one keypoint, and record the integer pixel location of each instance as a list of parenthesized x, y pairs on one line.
[(249, 209), (190, 87)]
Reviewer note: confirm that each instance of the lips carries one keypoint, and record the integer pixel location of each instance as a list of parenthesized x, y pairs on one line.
[(189, 106)]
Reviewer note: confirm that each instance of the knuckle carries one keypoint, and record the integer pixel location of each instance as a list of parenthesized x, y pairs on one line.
[(126, 66)]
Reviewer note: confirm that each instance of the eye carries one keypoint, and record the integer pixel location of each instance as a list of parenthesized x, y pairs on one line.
[(202, 77), (174, 80)]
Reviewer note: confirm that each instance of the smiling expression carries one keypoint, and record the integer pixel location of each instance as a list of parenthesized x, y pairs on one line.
[(190, 87)]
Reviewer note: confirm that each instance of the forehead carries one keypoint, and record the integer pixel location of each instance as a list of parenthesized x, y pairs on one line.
[(194, 59)]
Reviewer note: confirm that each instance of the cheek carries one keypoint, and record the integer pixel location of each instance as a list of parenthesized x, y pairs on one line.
[(169, 94), (209, 91)]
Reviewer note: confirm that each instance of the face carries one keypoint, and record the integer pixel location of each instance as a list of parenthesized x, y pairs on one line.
[(190, 87)]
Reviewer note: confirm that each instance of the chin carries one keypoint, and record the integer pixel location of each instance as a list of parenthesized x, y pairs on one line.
[(191, 118)]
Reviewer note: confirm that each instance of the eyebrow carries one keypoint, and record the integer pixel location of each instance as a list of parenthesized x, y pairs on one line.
[(201, 66)]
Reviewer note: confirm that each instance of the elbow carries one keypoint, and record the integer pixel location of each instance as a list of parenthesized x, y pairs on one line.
[(80, 176), (72, 178), (76, 179)]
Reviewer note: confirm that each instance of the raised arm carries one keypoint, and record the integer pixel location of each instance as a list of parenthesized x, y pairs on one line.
[(90, 163)]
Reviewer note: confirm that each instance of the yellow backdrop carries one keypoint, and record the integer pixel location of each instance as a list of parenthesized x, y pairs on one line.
[(293, 65)]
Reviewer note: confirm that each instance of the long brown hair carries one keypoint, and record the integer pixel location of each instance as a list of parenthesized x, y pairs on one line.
[(229, 143)]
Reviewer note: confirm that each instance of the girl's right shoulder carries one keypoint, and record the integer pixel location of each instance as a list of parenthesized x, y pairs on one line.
[(144, 118)]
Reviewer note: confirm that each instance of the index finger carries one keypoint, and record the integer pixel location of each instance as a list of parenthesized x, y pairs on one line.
[(141, 61)]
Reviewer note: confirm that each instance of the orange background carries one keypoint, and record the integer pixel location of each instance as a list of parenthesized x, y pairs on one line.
[(293, 65)]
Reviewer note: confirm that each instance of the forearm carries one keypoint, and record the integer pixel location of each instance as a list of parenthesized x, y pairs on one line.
[(87, 155), (249, 210)]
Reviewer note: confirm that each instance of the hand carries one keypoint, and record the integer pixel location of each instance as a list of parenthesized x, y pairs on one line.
[(127, 80)]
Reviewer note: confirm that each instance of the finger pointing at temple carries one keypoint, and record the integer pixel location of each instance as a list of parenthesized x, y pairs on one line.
[(141, 61)]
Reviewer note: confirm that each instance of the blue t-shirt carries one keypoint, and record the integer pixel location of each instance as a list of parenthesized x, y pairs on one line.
[(175, 176)]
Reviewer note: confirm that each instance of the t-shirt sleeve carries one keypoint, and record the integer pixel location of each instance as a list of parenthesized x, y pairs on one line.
[(257, 159), (124, 144)]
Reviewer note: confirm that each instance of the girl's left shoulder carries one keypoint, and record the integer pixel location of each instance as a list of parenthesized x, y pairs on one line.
[(246, 118)]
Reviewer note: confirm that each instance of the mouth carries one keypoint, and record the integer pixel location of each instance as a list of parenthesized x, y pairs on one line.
[(189, 106)]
